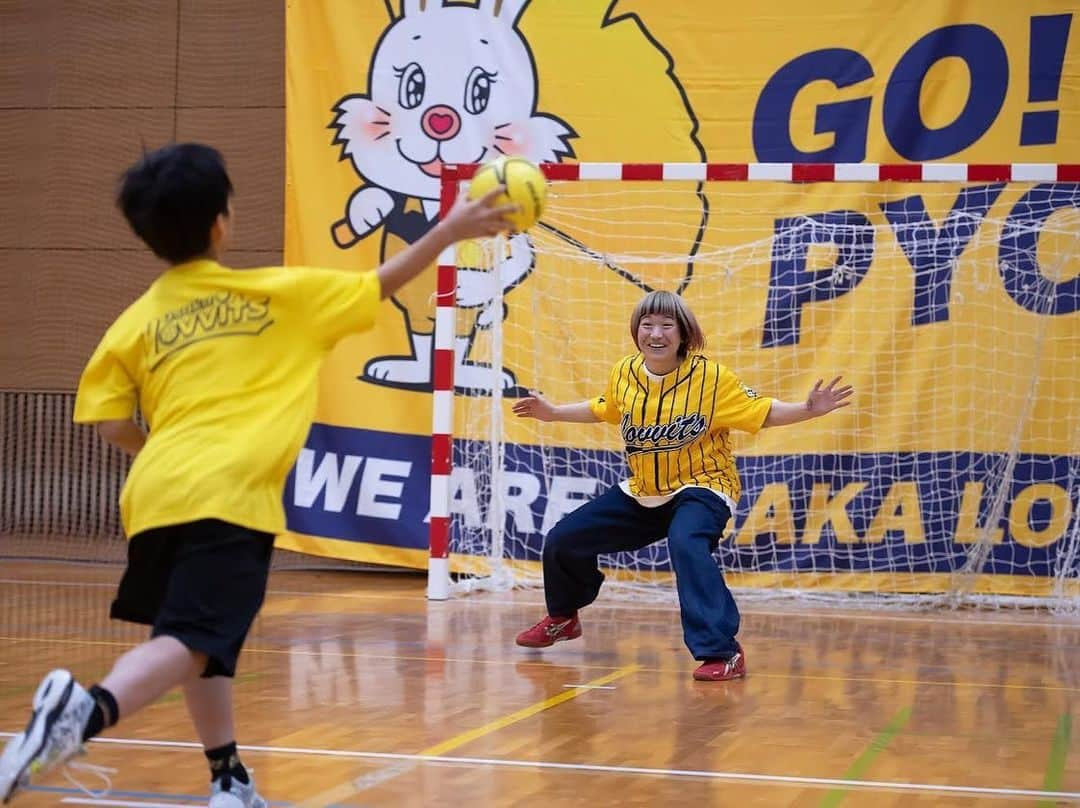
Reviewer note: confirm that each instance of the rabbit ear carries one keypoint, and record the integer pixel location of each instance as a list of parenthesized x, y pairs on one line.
[(506, 10), (413, 7), (511, 11)]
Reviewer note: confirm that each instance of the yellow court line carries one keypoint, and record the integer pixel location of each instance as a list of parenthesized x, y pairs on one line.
[(803, 677), (345, 790), (526, 712)]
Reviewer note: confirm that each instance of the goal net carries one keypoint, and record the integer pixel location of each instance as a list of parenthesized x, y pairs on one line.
[(947, 295)]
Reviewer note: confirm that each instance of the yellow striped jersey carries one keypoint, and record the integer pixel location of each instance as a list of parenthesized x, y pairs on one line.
[(677, 427)]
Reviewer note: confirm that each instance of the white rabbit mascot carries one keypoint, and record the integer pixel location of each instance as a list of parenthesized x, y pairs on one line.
[(454, 84)]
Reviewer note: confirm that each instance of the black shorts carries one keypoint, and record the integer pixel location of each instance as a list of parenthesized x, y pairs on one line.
[(200, 582)]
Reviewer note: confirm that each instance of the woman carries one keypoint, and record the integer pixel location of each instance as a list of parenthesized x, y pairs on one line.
[(675, 409)]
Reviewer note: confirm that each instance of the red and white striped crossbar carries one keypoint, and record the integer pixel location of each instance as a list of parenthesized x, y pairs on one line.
[(443, 368), (800, 172)]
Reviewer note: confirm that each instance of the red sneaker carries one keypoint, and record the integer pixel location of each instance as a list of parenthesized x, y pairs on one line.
[(722, 670), (549, 631)]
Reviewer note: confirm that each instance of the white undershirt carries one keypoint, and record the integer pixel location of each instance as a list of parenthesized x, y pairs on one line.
[(657, 501)]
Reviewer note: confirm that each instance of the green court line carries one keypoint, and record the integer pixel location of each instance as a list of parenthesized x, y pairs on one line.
[(1055, 766), (862, 763)]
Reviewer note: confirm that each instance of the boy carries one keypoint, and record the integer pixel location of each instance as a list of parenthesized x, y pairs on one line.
[(222, 364)]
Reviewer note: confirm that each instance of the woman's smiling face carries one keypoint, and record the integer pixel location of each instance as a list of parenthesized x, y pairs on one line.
[(658, 339)]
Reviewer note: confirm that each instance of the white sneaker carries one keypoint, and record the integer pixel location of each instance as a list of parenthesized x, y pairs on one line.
[(228, 792), (52, 737)]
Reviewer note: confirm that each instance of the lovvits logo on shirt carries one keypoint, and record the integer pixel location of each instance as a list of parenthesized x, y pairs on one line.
[(681, 430), (226, 314)]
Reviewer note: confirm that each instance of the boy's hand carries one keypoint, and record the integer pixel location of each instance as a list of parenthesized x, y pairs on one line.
[(473, 218)]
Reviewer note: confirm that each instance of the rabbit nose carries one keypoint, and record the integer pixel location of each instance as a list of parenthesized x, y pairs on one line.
[(440, 122)]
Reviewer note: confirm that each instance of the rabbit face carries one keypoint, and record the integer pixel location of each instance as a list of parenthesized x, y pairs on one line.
[(447, 85)]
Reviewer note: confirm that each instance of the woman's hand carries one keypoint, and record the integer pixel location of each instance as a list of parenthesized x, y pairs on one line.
[(822, 400), (535, 406)]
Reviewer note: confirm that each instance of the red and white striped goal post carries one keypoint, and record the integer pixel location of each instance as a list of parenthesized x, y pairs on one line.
[(453, 173)]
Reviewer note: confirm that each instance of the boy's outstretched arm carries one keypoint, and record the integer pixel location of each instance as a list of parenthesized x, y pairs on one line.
[(467, 219), (821, 400), (125, 435), (536, 406)]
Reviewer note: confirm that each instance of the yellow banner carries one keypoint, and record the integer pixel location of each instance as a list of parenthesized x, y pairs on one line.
[(940, 297)]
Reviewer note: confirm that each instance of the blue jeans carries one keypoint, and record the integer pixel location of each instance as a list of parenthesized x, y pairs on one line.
[(692, 521)]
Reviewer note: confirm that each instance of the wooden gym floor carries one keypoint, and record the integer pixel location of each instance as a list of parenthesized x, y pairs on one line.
[(355, 691)]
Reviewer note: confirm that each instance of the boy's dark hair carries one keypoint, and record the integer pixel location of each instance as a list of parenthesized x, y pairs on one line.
[(172, 196)]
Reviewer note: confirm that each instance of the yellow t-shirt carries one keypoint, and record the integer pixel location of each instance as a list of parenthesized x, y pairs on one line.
[(677, 427), (222, 364)]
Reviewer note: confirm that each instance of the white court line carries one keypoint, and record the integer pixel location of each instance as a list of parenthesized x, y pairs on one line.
[(812, 611), (735, 777), (128, 803), (591, 687), (56, 583)]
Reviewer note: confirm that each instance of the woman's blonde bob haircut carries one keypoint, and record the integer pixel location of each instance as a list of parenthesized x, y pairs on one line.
[(669, 304)]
